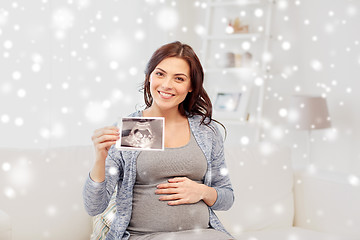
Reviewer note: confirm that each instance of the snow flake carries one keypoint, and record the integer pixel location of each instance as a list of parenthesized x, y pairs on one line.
[(258, 12), (16, 27), (246, 45), (113, 171), (316, 65), (114, 65), (16, 75), (81, 4), (133, 71), (140, 35), (62, 19), (3, 17), (259, 81), (197, 4), (19, 121), (36, 67), (329, 28), (58, 130), (277, 133), (21, 93), (45, 133), (6, 166), (51, 210), (267, 57), (353, 180), (286, 46), (118, 47), (95, 112), (293, 236), (200, 30), (64, 110), (10, 192), (167, 18), (224, 171), (106, 104), (278, 209), (351, 10), (5, 118), (8, 44), (283, 112), (282, 4), (139, 20), (244, 140)]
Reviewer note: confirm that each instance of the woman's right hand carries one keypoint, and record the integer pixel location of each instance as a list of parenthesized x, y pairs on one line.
[(102, 139)]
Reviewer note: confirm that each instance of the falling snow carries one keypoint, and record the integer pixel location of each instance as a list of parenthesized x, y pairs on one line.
[(75, 66)]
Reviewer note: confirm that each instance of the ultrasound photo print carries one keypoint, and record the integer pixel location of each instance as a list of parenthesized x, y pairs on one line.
[(140, 133)]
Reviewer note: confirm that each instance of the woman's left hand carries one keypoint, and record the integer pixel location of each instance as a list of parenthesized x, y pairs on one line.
[(181, 190)]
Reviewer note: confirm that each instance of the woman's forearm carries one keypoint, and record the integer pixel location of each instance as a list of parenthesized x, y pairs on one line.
[(97, 173)]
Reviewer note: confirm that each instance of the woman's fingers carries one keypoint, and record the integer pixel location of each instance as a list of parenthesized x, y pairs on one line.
[(105, 131), (106, 138), (167, 185), (170, 197), (177, 179), (167, 191)]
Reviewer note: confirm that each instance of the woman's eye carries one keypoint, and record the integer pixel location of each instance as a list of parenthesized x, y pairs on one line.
[(159, 74), (180, 79)]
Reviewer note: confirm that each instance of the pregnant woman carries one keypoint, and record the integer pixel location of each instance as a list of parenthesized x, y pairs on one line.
[(170, 194)]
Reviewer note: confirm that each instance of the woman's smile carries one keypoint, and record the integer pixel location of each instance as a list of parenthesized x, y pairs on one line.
[(165, 94)]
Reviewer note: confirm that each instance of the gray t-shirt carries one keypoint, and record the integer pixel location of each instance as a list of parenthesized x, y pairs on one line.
[(149, 214)]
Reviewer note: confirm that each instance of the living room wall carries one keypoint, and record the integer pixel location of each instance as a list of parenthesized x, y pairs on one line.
[(69, 67)]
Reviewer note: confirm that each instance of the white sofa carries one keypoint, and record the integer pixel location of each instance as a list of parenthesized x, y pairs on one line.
[(41, 192), (275, 202)]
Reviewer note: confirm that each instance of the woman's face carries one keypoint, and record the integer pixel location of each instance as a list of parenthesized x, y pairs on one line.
[(170, 83)]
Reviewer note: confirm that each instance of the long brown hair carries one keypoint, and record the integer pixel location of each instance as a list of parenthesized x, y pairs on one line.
[(197, 102)]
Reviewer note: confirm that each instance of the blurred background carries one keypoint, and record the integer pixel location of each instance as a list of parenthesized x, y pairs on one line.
[(70, 67)]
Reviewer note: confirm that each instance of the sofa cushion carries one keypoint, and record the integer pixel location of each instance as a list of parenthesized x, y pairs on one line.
[(262, 179), (102, 222), (288, 233), (327, 202), (5, 226), (43, 192)]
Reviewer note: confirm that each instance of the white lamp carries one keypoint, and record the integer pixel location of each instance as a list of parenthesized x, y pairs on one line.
[(309, 113)]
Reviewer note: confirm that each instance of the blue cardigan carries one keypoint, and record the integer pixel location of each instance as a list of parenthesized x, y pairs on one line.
[(120, 172)]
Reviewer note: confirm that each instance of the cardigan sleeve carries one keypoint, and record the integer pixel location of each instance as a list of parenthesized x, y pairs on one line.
[(96, 195), (220, 179)]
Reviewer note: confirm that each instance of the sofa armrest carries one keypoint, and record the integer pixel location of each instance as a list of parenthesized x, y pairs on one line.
[(327, 202), (5, 226)]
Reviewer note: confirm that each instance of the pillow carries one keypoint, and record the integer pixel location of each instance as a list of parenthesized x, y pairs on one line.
[(262, 179), (102, 222)]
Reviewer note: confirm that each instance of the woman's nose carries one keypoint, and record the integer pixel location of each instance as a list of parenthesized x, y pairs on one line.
[(167, 83)]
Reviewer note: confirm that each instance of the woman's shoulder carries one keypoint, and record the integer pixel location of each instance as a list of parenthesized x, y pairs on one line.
[(136, 114), (197, 124)]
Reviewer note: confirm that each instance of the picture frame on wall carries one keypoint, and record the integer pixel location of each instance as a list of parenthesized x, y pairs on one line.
[(231, 105)]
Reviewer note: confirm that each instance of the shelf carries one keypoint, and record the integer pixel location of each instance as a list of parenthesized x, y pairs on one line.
[(234, 36), (234, 3)]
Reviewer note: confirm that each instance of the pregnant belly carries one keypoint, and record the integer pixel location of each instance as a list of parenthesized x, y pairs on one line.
[(149, 214)]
